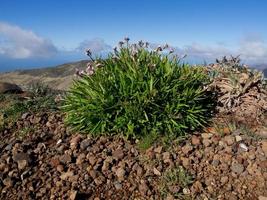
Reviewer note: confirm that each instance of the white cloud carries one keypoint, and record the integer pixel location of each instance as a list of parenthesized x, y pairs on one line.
[(251, 48), (16, 42), (96, 45)]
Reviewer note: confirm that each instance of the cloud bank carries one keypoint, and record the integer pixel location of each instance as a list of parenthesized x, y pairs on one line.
[(18, 45), (96, 45), (16, 42), (252, 49)]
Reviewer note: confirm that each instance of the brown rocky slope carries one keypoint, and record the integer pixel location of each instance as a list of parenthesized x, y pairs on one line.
[(47, 162)]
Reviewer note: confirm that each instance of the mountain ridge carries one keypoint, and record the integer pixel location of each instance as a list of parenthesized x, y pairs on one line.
[(59, 77)]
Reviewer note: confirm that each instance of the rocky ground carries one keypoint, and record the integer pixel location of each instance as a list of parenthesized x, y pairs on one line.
[(40, 159)]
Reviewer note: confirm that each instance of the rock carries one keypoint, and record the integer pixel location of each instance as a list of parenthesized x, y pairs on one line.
[(224, 180), (92, 160), (105, 166), (170, 197), (22, 164), (215, 162), (8, 147), (206, 142), (118, 154), (139, 171), (60, 168), (243, 147), (8, 182), (150, 153), (237, 168), (74, 141), (158, 149), (93, 173), (262, 133), (80, 159), (120, 174), (206, 135), (73, 194), (174, 188), (54, 162), (66, 175), (156, 171), (185, 162), (99, 180), (195, 140), (2, 166), (238, 138), (187, 149), (186, 191), (143, 188), (262, 198), (23, 160), (25, 115), (166, 156), (65, 159), (84, 144), (229, 140), (264, 147), (117, 185), (9, 88)]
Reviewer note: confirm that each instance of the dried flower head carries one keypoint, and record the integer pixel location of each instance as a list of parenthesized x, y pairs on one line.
[(134, 47), (141, 43), (120, 43), (88, 52), (171, 51), (166, 46), (126, 39), (159, 48), (115, 49)]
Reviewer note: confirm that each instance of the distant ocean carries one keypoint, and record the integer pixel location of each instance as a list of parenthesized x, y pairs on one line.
[(33, 64)]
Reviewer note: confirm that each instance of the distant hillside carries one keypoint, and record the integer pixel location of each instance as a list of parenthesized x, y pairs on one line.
[(58, 77), (262, 67)]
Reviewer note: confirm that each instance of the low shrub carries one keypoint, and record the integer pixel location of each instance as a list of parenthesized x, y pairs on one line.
[(137, 91)]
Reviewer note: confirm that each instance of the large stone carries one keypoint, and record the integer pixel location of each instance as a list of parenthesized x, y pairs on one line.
[(9, 88)]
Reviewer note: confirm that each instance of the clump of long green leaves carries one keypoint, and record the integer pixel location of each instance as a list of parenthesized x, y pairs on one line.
[(138, 91)]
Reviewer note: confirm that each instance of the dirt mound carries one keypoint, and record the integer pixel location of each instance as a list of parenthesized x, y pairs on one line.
[(9, 88)]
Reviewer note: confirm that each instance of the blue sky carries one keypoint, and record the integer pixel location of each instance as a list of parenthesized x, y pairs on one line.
[(48, 32)]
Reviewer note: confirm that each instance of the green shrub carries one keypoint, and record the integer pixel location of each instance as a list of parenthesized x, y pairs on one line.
[(137, 91)]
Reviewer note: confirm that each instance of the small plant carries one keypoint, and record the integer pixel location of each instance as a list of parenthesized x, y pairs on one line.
[(42, 97), (148, 140), (12, 106), (235, 83), (138, 91), (173, 181), (25, 131)]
